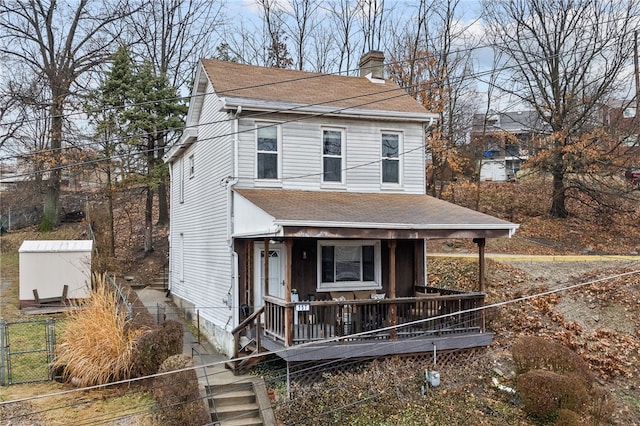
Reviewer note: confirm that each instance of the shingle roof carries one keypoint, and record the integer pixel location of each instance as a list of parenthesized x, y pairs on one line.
[(235, 80), (350, 209)]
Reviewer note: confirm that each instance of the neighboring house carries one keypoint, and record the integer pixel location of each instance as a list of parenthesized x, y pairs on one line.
[(299, 214), (503, 141)]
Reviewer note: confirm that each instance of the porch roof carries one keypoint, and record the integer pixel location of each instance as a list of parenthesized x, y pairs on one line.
[(325, 214)]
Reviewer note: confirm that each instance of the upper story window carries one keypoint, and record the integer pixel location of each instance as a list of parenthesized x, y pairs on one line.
[(348, 265), (391, 145), (268, 151), (181, 177), (192, 166), (332, 155)]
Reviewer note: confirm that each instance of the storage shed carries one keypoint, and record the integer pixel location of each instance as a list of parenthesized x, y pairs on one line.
[(47, 266)]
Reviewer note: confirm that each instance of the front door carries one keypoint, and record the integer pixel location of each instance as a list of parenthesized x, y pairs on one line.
[(276, 272)]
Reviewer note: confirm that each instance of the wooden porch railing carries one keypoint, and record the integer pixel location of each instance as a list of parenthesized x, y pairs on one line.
[(368, 319)]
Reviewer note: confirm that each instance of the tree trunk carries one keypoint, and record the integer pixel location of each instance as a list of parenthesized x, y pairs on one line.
[(163, 204), (112, 232), (148, 221), (558, 208), (51, 211), (148, 208)]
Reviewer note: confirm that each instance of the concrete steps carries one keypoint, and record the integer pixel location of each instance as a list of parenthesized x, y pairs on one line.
[(234, 404)]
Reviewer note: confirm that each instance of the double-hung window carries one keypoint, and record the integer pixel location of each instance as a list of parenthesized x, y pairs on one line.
[(192, 166), (267, 151), (391, 145), (332, 155), (348, 265)]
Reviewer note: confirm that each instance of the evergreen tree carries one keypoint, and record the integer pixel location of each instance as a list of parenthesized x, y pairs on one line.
[(155, 114)]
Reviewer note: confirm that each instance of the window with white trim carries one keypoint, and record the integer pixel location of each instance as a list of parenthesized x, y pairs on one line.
[(349, 265), (192, 166), (181, 177), (267, 151), (332, 155), (391, 145)]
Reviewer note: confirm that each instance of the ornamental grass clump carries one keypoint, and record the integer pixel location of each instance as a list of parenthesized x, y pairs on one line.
[(97, 346)]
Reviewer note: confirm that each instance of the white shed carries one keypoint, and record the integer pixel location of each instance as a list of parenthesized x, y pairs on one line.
[(48, 265)]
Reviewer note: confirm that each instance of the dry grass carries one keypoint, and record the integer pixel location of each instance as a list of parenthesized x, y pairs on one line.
[(97, 347)]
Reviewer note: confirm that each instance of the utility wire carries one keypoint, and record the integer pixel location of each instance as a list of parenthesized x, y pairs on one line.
[(339, 338)]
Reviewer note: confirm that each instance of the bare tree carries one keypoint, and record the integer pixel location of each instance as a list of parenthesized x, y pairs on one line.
[(61, 42), (431, 58), (301, 13), (567, 59), (372, 13), (343, 18), (273, 20)]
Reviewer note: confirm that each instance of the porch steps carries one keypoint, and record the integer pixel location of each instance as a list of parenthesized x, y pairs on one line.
[(239, 402), (247, 347)]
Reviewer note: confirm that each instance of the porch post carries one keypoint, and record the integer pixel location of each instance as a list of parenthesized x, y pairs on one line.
[(481, 243), (265, 290), (418, 263), (481, 269), (288, 312), (392, 288)]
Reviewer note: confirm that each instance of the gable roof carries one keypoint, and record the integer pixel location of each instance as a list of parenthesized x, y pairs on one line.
[(414, 215), (240, 83)]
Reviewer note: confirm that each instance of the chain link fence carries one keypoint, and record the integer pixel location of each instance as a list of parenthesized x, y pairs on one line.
[(27, 349)]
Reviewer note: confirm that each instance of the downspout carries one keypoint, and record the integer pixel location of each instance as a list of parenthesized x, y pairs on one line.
[(231, 181), (170, 279)]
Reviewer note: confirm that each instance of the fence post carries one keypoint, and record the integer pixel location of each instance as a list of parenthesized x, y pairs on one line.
[(3, 353), (51, 344)]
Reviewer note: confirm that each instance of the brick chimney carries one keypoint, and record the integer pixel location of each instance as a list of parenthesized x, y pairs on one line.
[(372, 63)]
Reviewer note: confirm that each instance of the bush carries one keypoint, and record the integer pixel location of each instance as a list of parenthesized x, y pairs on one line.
[(154, 346), (545, 393), (177, 394), (554, 382), (536, 353)]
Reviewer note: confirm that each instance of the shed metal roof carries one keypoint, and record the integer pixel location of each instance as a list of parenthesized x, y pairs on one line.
[(54, 246)]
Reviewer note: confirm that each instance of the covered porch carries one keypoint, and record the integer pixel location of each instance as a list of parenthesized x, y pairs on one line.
[(358, 289)]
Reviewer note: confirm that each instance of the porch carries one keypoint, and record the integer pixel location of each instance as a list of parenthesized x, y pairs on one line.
[(441, 319), (306, 260)]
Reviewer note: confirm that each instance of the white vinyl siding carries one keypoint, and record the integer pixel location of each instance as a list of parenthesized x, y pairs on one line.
[(301, 155), (201, 272)]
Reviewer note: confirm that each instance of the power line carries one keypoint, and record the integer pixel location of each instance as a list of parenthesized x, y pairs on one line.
[(339, 338), (288, 110), (307, 77)]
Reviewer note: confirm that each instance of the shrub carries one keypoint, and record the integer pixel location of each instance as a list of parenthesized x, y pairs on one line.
[(554, 381), (544, 393), (97, 347), (177, 394), (537, 353), (156, 345)]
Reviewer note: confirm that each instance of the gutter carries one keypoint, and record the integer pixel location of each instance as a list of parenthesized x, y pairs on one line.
[(294, 108)]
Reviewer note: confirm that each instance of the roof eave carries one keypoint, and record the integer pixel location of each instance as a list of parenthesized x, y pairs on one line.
[(189, 136), (294, 108), (511, 227)]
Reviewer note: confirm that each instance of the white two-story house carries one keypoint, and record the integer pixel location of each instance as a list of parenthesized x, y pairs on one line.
[(299, 215)]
